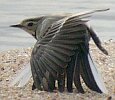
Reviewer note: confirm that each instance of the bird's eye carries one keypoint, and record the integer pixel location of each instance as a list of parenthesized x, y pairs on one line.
[(30, 24)]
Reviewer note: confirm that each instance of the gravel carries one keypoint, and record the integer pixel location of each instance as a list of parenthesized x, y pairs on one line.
[(13, 60)]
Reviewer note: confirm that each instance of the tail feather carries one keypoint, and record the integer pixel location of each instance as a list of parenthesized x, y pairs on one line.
[(22, 77), (96, 40)]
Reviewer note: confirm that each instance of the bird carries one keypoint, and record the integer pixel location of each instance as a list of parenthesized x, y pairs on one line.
[(62, 50)]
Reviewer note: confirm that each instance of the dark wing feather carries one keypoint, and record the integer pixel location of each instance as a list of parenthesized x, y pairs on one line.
[(37, 81), (70, 70), (77, 73), (86, 72)]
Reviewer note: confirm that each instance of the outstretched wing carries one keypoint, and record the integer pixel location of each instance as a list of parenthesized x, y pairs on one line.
[(53, 52)]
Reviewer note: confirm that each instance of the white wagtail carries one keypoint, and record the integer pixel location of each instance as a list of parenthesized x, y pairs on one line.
[(62, 47)]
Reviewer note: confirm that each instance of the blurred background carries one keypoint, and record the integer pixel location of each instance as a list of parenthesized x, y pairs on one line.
[(14, 11)]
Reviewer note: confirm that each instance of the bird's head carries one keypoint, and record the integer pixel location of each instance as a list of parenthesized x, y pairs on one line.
[(30, 25)]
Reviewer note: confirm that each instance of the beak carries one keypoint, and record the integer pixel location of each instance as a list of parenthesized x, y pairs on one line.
[(17, 26)]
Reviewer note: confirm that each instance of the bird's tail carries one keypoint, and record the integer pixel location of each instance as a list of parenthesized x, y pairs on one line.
[(90, 74), (22, 77)]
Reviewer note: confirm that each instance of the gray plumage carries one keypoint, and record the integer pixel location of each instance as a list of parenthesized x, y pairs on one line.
[(63, 48)]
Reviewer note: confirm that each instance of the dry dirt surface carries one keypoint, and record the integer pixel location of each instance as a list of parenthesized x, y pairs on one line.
[(13, 60)]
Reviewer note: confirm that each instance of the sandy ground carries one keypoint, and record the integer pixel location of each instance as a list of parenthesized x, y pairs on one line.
[(13, 60)]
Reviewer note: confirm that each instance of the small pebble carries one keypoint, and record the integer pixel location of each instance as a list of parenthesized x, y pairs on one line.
[(109, 98), (2, 68)]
